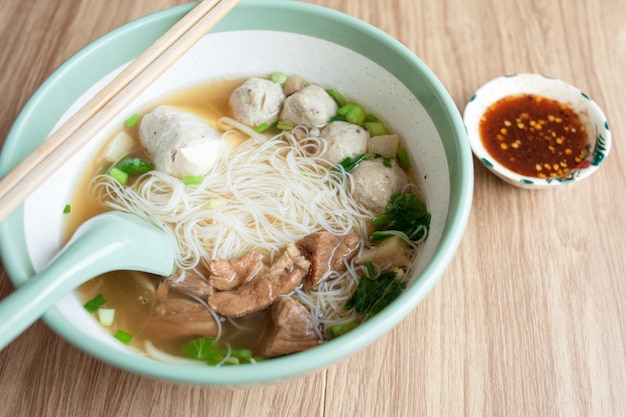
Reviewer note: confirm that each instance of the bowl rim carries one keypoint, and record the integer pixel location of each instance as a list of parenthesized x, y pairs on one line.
[(461, 187), (539, 84)]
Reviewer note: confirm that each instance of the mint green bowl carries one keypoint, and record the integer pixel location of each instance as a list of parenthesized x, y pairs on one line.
[(323, 45)]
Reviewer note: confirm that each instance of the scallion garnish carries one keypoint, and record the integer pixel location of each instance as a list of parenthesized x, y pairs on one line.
[(375, 128), (340, 329), (387, 161), (193, 179), (345, 109), (349, 164), (123, 336), (95, 303), (119, 175), (67, 209), (261, 128), (279, 78), (204, 349), (356, 115), (132, 121), (336, 95), (403, 158), (369, 267), (284, 125)]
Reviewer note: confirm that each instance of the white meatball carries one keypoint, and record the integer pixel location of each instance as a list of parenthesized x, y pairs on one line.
[(179, 143), (374, 183), (311, 106), (257, 101), (344, 140)]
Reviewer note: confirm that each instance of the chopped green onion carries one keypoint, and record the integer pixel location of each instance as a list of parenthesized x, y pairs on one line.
[(387, 161), (284, 125), (133, 166), (340, 329), (375, 128), (123, 336), (371, 118), (95, 303), (336, 95), (67, 209), (356, 115), (403, 158), (369, 267), (193, 179), (349, 164), (132, 121), (345, 109), (261, 128), (339, 117), (279, 78), (119, 175)]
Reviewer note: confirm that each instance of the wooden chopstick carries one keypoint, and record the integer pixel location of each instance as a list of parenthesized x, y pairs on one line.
[(29, 174)]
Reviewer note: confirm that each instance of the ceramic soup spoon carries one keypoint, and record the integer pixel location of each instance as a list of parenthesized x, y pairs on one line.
[(107, 242)]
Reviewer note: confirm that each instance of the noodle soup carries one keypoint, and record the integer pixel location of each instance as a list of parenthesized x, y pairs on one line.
[(290, 231)]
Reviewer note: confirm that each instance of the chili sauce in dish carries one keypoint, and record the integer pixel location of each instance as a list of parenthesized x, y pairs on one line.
[(534, 136)]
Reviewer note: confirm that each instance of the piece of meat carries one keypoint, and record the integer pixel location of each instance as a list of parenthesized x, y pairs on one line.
[(257, 101), (191, 283), (327, 253), (177, 316), (345, 140), (179, 143), (294, 331), (227, 274), (293, 84), (374, 183), (311, 106), (281, 278)]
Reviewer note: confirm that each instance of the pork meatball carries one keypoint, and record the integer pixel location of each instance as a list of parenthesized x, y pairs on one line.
[(257, 101), (310, 106), (344, 140), (374, 183)]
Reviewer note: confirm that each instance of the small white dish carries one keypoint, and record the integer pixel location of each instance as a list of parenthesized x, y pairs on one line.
[(590, 114)]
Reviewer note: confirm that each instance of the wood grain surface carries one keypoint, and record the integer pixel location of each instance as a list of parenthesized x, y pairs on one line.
[(530, 317)]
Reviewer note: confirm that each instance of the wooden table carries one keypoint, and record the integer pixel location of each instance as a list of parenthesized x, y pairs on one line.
[(530, 318)]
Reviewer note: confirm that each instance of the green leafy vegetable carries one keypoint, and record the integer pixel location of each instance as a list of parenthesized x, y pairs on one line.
[(123, 336), (356, 115), (67, 209), (133, 166), (284, 125), (406, 213), (372, 295), (95, 303), (340, 329)]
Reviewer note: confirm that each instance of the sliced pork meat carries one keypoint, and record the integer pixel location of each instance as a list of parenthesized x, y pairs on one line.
[(310, 106), (294, 331), (177, 316), (327, 253), (191, 283), (374, 183), (344, 140), (227, 274), (179, 143), (257, 101), (281, 278)]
